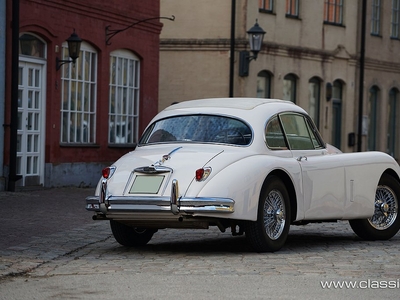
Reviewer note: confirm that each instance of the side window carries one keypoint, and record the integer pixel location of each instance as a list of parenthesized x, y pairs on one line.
[(299, 132), (274, 135)]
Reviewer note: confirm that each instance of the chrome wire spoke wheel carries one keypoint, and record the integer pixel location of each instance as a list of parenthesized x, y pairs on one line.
[(274, 214), (386, 208)]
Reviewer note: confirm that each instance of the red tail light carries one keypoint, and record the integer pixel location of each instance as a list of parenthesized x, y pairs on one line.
[(203, 173), (107, 172)]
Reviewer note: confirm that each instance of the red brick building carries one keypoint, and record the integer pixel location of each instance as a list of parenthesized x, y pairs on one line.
[(75, 120)]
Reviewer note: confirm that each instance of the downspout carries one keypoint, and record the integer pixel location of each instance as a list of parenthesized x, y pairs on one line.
[(12, 177), (2, 87), (232, 48), (361, 83)]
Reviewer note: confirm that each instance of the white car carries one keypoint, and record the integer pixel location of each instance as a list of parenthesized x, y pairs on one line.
[(255, 166)]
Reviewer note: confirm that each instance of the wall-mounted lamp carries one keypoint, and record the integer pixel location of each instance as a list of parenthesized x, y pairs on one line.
[(328, 91), (256, 36), (110, 33), (74, 48)]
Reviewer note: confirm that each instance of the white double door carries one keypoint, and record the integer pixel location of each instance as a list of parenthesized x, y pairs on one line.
[(31, 117)]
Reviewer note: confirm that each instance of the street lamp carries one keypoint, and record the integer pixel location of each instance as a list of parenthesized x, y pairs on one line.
[(256, 36), (74, 48)]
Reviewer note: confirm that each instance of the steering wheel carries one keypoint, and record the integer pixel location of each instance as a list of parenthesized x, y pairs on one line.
[(229, 136)]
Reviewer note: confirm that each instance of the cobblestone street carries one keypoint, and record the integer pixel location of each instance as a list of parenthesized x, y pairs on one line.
[(314, 252)]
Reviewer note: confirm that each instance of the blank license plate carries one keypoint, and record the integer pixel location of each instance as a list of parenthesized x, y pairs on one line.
[(146, 184)]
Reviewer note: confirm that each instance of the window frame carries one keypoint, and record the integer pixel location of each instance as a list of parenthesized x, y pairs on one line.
[(334, 16), (124, 98), (266, 6), (78, 82), (395, 20), (315, 141), (292, 8), (376, 17)]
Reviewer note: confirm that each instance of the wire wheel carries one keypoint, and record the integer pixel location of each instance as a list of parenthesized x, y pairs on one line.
[(274, 214), (386, 208)]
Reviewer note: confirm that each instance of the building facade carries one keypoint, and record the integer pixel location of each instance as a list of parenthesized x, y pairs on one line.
[(310, 55), (76, 118)]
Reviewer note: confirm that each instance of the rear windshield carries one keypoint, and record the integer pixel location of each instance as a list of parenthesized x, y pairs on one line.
[(198, 129)]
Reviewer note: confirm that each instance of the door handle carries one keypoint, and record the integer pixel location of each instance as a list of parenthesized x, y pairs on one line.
[(300, 158)]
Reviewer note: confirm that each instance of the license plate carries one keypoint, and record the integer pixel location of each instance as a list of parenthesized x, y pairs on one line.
[(146, 184)]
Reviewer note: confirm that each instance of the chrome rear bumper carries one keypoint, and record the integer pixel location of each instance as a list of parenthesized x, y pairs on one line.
[(174, 204)]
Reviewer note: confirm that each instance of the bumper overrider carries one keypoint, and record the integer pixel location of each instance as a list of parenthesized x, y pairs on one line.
[(107, 204)]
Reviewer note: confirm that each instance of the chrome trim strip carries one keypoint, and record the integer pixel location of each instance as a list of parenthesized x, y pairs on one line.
[(151, 203)]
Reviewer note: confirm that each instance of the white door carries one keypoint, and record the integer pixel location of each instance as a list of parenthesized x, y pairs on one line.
[(30, 143)]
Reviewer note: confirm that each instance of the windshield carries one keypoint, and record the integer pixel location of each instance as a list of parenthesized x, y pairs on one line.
[(198, 128)]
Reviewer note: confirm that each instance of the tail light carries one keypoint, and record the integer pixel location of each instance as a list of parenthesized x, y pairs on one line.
[(203, 173), (107, 172)]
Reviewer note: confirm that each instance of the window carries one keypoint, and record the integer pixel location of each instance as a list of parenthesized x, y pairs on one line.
[(198, 129), (266, 6), (376, 17), (123, 115), (78, 98), (292, 8), (264, 85), (289, 88), (274, 135), (31, 46), (337, 94), (395, 19), (373, 117), (299, 132), (393, 123), (333, 12), (314, 93)]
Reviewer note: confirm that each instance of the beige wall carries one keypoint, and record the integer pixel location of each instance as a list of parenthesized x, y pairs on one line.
[(194, 57)]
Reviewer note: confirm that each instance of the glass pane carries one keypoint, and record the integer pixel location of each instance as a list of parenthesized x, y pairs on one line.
[(30, 96), (29, 143), (36, 122), (19, 120), (20, 98), (37, 100), (35, 165), (30, 77), (28, 165), (20, 76)]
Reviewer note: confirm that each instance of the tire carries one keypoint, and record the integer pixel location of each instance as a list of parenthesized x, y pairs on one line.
[(270, 231), (385, 222), (130, 236)]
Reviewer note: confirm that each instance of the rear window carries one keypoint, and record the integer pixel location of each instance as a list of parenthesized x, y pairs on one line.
[(198, 129)]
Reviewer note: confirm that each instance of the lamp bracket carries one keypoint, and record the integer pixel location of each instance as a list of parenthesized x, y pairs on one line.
[(110, 33), (60, 62)]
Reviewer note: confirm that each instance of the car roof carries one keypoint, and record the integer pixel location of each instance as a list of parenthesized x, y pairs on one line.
[(227, 103)]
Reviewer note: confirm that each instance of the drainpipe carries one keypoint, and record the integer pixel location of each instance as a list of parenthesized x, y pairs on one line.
[(361, 83), (12, 177), (2, 86), (232, 49)]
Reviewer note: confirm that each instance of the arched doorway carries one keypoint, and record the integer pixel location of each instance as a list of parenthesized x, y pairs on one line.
[(31, 110)]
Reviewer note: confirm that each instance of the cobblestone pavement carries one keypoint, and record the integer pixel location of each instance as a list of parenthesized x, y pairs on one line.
[(319, 251)]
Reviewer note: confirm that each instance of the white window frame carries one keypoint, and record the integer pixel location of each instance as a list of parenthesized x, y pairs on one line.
[(394, 28), (376, 17), (124, 98), (79, 97)]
